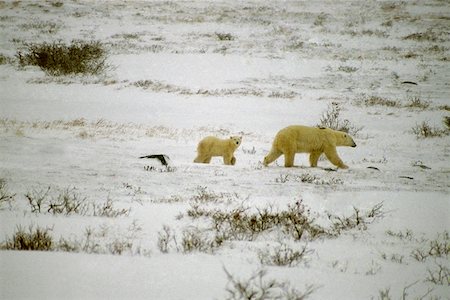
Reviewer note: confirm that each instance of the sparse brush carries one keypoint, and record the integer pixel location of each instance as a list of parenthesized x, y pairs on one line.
[(68, 202), (224, 36), (258, 287), (385, 294), (164, 238), (437, 248), (379, 101), (282, 255), (203, 195), (5, 195), (194, 240), (416, 102), (331, 119), (296, 221), (356, 220), (57, 58), (428, 35), (107, 209), (38, 239), (5, 59), (440, 275), (37, 199), (119, 246), (425, 130), (446, 122), (99, 241), (347, 69)]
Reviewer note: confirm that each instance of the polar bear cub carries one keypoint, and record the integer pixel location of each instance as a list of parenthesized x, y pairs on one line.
[(313, 140), (212, 146)]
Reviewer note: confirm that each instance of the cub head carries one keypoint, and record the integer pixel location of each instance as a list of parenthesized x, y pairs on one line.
[(344, 139), (236, 140)]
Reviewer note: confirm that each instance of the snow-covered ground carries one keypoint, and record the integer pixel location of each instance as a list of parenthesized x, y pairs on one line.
[(184, 70)]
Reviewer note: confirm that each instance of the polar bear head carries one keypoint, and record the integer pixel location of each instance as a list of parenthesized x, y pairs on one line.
[(236, 140), (344, 139)]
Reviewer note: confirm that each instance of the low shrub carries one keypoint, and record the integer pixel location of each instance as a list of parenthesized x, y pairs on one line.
[(425, 130), (416, 102), (34, 239), (258, 287), (282, 255), (358, 219), (331, 119), (224, 36), (69, 202), (58, 58), (5, 195), (446, 122), (379, 101)]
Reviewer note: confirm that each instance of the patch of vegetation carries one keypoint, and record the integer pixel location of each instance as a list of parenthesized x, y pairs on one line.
[(240, 223), (385, 294), (57, 58), (282, 255), (5, 195), (4, 59), (379, 101), (427, 36), (439, 275), (446, 122), (308, 178), (331, 119), (98, 241), (35, 239), (43, 27), (93, 241), (224, 36), (194, 240), (416, 102), (425, 130), (320, 19), (68, 202), (437, 248), (347, 69), (256, 287), (356, 220)]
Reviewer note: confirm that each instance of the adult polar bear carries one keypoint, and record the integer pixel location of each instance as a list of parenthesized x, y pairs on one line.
[(314, 140)]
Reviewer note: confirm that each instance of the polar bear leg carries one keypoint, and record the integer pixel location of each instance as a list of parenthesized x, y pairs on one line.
[(333, 157), (314, 158), (289, 159), (272, 156), (202, 159), (228, 159)]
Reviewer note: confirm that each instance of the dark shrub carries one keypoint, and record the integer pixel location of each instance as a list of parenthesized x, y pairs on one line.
[(57, 58)]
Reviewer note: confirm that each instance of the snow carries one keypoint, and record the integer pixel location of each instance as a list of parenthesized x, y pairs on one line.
[(285, 65)]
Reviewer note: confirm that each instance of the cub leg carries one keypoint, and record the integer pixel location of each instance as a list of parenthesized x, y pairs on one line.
[(202, 159), (333, 157), (314, 158), (227, 159)]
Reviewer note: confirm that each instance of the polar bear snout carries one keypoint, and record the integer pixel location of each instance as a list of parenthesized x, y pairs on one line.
[(354, 145)]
